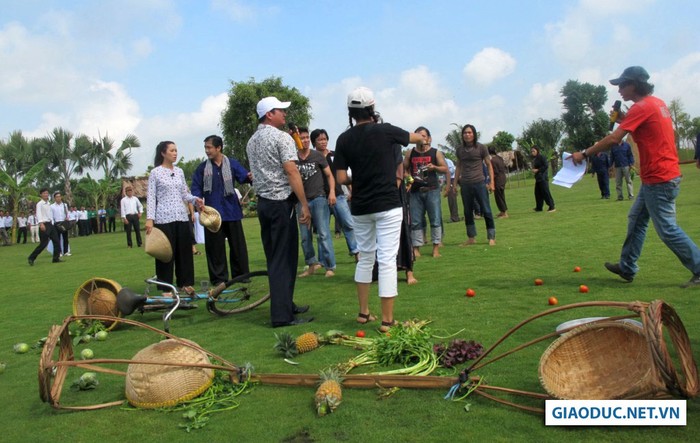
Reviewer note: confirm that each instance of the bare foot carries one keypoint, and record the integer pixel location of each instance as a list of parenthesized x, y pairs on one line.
[(330, 273), (310, 270), (410, 279), (492, 242), (416, 252), (436, 251), (470, 241)]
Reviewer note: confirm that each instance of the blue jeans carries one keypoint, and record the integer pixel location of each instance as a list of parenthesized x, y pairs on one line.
[(320, 214), (657, 201), (341, 211), (479, 192), (422, 202)]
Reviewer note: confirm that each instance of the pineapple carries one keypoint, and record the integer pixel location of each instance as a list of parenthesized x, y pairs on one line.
[(307, 342), (290, 347), (329, 393)]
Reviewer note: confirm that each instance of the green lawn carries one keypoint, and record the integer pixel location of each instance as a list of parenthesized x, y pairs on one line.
[(585, 231)]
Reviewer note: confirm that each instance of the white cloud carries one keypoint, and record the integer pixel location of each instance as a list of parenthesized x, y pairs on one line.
[(489, 65), (681, 80), (235, 9), (542, 101)]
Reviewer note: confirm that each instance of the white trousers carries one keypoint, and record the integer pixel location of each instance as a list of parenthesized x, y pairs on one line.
[(378, 234)]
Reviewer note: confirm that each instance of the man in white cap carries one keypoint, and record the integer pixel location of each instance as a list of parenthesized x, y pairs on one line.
[(649, 121), (272, 155)]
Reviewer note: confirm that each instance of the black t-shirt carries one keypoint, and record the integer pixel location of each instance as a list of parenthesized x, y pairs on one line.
[(311, 171), (369, 150)]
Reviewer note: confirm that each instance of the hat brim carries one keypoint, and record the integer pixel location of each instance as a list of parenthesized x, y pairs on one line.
[(617, 81)]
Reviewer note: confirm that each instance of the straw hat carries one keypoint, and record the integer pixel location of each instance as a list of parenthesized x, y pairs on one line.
[(161, 385), (210, 218), (97, 296), (158, 246)]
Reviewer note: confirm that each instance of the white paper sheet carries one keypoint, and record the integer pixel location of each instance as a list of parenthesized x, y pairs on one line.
[(569, 173)]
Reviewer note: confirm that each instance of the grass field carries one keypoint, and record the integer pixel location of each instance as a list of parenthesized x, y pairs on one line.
[(585, 231)]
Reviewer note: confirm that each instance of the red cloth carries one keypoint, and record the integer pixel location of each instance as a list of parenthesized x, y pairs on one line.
[(649, 121)]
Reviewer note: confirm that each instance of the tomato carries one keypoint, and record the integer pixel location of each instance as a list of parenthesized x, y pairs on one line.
[(360, 333), (86, 354), (101, 336), (583, 289), (553, 301), (577, 269), (471, 292), (539, 282)]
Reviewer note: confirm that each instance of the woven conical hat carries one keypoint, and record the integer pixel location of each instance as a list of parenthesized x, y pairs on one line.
[(210, 218), (161, 385), (158, 246)]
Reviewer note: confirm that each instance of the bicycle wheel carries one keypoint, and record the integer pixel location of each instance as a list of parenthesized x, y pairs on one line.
[(240, 294)]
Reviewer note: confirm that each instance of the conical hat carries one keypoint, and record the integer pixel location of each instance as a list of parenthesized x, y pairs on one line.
[(158, 246), (210, 218), (161, 385)]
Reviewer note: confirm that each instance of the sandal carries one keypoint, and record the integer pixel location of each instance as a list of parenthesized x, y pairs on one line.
[(189, 290), (386, 325), (366, 318)]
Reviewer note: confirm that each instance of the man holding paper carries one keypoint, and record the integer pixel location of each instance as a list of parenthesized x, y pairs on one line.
[(649, 121)]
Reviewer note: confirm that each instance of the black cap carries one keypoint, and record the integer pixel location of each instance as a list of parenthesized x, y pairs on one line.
[(634, 73)]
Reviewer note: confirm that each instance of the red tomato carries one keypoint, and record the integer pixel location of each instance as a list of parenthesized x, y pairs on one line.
[(553, 301), (471, 292), (583, 289), (539, 282), (577, 269), (360, 333)]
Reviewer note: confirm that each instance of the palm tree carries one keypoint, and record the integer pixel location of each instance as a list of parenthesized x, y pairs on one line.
[(15, 189), (68, 154), (97, 191), (115, 164)]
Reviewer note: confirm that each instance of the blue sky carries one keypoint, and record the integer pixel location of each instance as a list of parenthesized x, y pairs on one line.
[(160, 69)]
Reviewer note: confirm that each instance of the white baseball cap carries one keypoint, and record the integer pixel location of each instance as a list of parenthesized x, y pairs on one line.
[(360, 98), (268, 104)]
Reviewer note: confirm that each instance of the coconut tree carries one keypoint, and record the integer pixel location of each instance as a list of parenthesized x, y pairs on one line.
[(67, 154), (16, 188), (113, 162)]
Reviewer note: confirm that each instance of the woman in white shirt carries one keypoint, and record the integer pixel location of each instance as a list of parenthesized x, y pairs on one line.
[(167, 190)]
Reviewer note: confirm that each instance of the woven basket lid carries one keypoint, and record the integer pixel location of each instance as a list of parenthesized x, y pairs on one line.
[(158, 246), (97, 296), (210, 218), (161, 385), (598, 361)]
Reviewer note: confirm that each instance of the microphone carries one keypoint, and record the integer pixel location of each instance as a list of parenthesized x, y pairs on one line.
[(172, 174), (615, 113)]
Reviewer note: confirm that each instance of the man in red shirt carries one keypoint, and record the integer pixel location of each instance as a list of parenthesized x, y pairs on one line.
[(649, 121)]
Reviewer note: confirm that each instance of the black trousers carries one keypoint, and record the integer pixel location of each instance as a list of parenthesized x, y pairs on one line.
[(22, 232), (62, 235), (542, 195), (180, 240), (215, 243), (50, 233), (134, 223), (111, 224), (500, 195), (280, 239)]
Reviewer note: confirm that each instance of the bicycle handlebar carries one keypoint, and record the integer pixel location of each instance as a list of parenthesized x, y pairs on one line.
[(166, 316), (218, 289)]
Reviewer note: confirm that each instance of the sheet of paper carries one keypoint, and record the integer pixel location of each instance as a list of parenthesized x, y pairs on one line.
[(569, 173)]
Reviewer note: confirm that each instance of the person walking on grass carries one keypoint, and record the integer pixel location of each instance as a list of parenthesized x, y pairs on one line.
[(131, 210), (47, 231), (623, 160), (649, 121)]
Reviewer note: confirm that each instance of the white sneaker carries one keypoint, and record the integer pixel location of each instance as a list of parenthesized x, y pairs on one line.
[(60, 255), (67, 254)]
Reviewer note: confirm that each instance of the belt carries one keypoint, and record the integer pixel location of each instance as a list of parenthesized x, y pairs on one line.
[(427, 188)]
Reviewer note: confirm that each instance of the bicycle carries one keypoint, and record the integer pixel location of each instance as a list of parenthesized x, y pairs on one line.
[(237, 295)]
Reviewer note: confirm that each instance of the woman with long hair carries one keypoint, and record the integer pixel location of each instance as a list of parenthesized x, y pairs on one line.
[(166, 210)]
